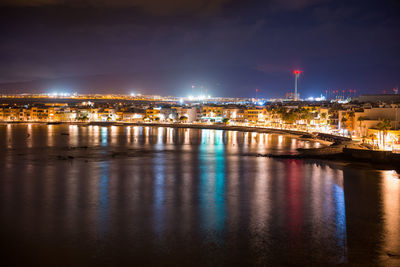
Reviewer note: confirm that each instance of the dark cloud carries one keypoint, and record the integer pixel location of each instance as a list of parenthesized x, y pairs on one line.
[(157, 7), (295, 4), (230, 45)]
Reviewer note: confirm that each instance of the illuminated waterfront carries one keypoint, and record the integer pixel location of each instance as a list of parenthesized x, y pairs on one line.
[(373, 126), (92, 195)]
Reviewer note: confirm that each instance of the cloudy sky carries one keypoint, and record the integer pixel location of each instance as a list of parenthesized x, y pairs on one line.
[(229, 47)]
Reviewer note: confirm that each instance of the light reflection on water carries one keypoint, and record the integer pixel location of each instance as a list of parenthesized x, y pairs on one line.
[(159, 191), (391, 209), (103, 196), (212, 182), (168, 196), (104, 136)]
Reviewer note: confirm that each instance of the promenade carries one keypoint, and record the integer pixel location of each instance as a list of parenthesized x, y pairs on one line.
[(241, 128)]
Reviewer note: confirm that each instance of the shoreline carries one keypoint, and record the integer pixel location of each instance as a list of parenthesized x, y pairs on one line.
[(320, 137), (344, 158), (334, 149), (346, 153)]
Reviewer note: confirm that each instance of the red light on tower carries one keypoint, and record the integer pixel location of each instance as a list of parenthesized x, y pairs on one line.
[(297, 72)]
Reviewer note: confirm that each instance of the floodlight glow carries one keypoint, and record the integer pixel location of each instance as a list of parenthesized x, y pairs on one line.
[(58, 94)]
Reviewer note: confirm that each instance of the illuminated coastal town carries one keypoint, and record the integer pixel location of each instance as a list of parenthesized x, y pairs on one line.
[(372, 120), (199, 133)]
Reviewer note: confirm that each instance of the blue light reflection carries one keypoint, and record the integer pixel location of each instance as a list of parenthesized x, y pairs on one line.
[(340, 219), (103, 196), (104, 136), (159, 194), (212, 181)]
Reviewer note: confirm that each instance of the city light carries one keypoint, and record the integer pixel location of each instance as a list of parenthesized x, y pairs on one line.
[(59, 94), (321, 98), (198, 98), (303, 116)]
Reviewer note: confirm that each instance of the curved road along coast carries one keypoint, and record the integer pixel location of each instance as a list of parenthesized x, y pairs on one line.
[(319, 136)]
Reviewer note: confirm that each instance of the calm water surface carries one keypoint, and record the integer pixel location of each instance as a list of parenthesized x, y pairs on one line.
[(106, 196)]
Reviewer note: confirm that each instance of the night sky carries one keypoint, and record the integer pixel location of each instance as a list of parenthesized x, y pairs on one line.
[(228, 47)]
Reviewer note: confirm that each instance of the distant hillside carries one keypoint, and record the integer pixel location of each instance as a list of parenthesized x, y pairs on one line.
[(220, 82)]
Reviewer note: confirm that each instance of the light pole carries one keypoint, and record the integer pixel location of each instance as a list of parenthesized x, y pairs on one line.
[(296, 77)]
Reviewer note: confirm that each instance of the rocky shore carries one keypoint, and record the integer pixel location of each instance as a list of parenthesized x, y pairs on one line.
[(347, 151)]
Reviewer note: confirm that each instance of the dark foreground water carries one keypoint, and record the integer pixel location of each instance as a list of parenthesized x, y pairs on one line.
[(144, 196)]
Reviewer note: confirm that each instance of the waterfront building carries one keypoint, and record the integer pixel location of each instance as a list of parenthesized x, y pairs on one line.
[(133, 116), (370, 117), (87, 114), (234, 114), (168, 114), (256, 115), (107, 114), (379, 124), (65, 115), (39, 114), (212, 113), (152, 113), (191, 114)]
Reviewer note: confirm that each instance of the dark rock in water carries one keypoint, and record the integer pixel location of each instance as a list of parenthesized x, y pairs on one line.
[(393, 255), (368, 146), (307, 136), (123, 153)]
